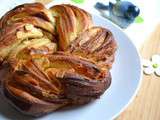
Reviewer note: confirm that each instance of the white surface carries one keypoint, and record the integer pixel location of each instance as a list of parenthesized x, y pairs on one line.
[(126, 75)]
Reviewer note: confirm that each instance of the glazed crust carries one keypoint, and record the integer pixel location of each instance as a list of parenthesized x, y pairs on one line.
[(28, 28), (53, 58), (70, 22), (36, 89), (30, 9), (97, 45)]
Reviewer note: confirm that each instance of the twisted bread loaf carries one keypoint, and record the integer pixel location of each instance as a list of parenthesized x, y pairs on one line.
[(53, 58)]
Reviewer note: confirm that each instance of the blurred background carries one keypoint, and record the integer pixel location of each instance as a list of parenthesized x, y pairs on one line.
[(144, 31)]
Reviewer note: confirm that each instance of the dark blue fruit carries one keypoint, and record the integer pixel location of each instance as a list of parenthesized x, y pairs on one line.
[(132, 12), (124, 9), (123, 13)]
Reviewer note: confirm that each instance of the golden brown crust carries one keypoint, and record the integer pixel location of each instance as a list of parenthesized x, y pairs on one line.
[(38, 22), (70, 22), (17, 42), (30, 90), (83, 90), (45, 69), (26, 37), (30, 9), (51, 82), (96, 44), (23, 27)]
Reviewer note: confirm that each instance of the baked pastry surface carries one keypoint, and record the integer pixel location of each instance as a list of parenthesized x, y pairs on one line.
[(53, 58)]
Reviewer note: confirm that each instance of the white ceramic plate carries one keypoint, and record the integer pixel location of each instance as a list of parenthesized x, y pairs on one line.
[(126, 77)]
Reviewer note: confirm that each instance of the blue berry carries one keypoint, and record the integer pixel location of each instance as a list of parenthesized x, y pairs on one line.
[(132, 11), (125, 9)]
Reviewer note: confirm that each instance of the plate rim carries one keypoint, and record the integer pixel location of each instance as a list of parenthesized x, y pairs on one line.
[(140, 62)]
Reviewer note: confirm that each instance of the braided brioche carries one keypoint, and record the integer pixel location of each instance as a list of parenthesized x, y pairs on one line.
[(70, 22), (53, 58)]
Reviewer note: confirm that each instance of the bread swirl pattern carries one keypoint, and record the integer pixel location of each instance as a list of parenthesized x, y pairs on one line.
[(52, 58)]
